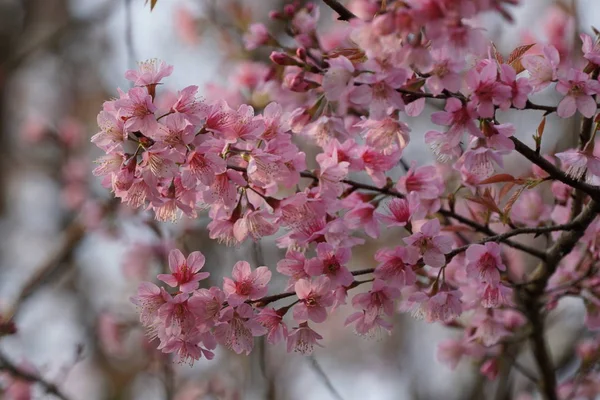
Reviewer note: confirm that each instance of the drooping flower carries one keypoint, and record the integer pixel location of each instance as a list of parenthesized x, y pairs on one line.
[(303, 339), (485, 262), (577, 162)]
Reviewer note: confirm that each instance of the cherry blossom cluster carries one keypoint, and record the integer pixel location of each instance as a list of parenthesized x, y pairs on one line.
[(350, 93)]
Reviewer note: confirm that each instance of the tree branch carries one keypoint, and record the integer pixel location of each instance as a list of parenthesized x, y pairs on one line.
[(18, 373), (555, 173), (345, 14)]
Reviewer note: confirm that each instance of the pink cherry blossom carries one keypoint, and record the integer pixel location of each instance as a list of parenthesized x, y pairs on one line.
[(303, 339), (331, 262), (314, 297), (238, 328), (485, 262), (443, 306), (591, 49), (542, 69), (396, 266), (272, 320), (485, 90), (149, 72), (425, 181), (386, 135), (184, 273), (577, 162), (578, 89), (294, 266), (247, 284), (137, 110), (363, 215), (431, 244), (256, 36)]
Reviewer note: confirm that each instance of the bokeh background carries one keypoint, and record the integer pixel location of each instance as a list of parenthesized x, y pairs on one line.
[(70, 257)]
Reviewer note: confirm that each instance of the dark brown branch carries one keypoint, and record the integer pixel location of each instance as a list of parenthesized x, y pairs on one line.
[(345, 14), (19, 373), (553, 171), (530, 295)]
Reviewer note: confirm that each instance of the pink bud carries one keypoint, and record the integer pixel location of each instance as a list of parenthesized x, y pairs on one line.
[(289, 10), (280, 58), (274, 14)]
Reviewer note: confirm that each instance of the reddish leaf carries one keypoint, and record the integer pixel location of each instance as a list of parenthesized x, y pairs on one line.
[(497, 54), (538, 135), (497, 179), (152, 4), (518, 53), (511, 202), (505, 189), (486, 200)]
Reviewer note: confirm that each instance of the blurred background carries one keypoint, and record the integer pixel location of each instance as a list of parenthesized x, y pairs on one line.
[(70, 257)]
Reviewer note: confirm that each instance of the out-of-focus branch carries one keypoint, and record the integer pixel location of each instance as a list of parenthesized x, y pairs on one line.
[(345, 14), (71, 239), (323, 376), (19, 373), (529, 296)]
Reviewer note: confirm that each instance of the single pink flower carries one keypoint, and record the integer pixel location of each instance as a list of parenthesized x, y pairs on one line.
[(314, 297), (303, 339), (396, 266), (494, 296), (149, 72), (577, 162), (331, 262), (238, 328), (542, 69), (246, 284), (256, 36), (590, 48), (338, 78), (443, 306), (520, 87), (485, 90), (184, 273), (190, 347), (272, 320), (256, 224), (430, 243), (387, 135), (206, 305), (137, 110), (368, 325), (331, 173), (363, 216), (378, 300), (578, 89), (150, 298), (425, 181), (484, 262), (294, 266)]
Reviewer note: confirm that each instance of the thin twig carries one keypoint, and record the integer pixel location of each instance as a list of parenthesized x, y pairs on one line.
[(19, 373), (326, 381)]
